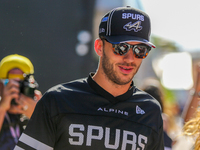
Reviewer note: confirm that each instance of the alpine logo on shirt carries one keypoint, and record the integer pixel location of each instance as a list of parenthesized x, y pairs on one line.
[(112, 110)]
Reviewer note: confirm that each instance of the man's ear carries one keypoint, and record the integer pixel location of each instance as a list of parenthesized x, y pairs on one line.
[(98, 46)]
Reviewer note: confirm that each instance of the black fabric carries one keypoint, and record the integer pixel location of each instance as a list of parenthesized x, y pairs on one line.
[(81, 115), (167, 140)]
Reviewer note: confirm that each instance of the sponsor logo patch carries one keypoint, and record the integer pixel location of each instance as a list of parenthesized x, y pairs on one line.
[(136, 26), (139, 110), (104, 19), (101, 30)]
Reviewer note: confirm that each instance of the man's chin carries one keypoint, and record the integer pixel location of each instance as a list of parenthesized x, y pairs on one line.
[(124, 81)]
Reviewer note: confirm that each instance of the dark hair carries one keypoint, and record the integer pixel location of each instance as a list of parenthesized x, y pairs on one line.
[(155, 92)]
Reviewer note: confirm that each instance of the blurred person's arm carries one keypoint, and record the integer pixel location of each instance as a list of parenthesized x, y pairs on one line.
[(191, 106), (28, 104), (9, 92)]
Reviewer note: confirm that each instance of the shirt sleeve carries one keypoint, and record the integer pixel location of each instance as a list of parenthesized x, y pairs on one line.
[(160, 141), (40, 131)]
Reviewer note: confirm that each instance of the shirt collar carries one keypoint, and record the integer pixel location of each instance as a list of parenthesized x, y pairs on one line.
[(98, 89)]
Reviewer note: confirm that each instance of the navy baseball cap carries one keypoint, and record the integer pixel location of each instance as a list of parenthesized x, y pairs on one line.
[(126, 24)]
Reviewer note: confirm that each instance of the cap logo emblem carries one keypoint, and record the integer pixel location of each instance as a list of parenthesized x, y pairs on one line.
[(101, 30), (136, 26), (104, 19)]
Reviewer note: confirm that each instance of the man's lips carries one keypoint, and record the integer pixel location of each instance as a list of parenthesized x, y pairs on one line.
[(125, 69)]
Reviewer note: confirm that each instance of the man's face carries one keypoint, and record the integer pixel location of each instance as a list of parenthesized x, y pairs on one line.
[(119, 69), (15, 73)]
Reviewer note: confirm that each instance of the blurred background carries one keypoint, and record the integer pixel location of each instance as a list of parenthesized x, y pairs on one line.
[(58, 36)]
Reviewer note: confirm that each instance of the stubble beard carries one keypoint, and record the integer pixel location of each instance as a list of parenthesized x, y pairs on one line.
[(111, 74)]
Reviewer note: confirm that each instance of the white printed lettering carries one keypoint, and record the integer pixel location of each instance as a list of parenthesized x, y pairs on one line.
[(123, 15), (74, 134), (99, 109), (120, 112), (111, 140), (105, 110), (126, 141), (126, 113), (140, 139), (107, 139), (90, 136), (129, 15), (111, 110), (133, 16)]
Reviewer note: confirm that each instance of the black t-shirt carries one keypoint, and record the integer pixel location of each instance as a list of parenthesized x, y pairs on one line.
[(80, 115)]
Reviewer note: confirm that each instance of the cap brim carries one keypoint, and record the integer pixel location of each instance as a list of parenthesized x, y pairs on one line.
[(126, 38)]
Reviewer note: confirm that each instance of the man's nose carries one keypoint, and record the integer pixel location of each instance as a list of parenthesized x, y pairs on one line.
[(130, 56)]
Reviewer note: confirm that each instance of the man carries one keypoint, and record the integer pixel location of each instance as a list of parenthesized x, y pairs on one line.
[(16, 98), (106, 110)]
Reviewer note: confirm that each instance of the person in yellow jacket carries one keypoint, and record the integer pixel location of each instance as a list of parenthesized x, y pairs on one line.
[(18, 97)]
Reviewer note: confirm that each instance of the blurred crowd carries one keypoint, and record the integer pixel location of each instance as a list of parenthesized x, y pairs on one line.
[(181, 126)]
